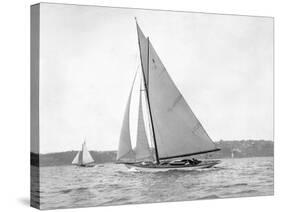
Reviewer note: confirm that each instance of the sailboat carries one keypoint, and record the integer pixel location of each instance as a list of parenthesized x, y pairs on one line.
[(173, 127), (83, 158)]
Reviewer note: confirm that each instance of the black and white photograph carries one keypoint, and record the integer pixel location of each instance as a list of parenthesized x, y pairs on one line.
[(133, 106)]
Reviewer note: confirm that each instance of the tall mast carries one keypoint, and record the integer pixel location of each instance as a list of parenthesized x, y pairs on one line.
[(147, 96)]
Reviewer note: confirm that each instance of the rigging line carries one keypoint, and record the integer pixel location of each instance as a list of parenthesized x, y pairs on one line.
[(138, 67), (137, 61)]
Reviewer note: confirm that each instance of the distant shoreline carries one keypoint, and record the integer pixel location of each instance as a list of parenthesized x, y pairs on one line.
[(229, 149)]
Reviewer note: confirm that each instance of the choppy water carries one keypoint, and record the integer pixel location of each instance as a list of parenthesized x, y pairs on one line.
[(112, 184)]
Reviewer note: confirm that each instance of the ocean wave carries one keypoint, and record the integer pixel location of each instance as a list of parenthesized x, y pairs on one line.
[(249, 191), (235, 185), (212, 196), (66, 191), (116, 201)]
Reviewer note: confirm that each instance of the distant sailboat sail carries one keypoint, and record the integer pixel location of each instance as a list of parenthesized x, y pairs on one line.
[(83, 157), (87, 158)]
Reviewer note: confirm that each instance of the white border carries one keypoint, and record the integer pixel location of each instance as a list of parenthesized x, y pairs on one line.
[(15, 112)]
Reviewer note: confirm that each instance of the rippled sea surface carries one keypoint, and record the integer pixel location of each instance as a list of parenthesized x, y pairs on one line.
[(114, 184)]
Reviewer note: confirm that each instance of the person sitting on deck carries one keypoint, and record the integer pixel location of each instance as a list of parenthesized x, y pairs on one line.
[(191, 162), (195, 161)]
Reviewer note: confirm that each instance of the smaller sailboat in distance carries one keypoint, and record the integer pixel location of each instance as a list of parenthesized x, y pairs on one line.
[(173, 127), (83, 158)]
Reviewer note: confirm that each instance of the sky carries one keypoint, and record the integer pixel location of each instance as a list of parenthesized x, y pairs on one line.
[(222, 64)]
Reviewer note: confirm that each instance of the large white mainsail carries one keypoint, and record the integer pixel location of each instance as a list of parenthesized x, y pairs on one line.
[(125, 152), (178, 132), (143, 151)]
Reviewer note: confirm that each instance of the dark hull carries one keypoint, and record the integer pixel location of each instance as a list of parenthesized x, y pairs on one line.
[(169, 167), (86, 165)]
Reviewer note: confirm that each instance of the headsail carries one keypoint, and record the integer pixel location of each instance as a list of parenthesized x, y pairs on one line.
[(86, 156), (125, 152), (178, 131), (76, 159), (143, 152)]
